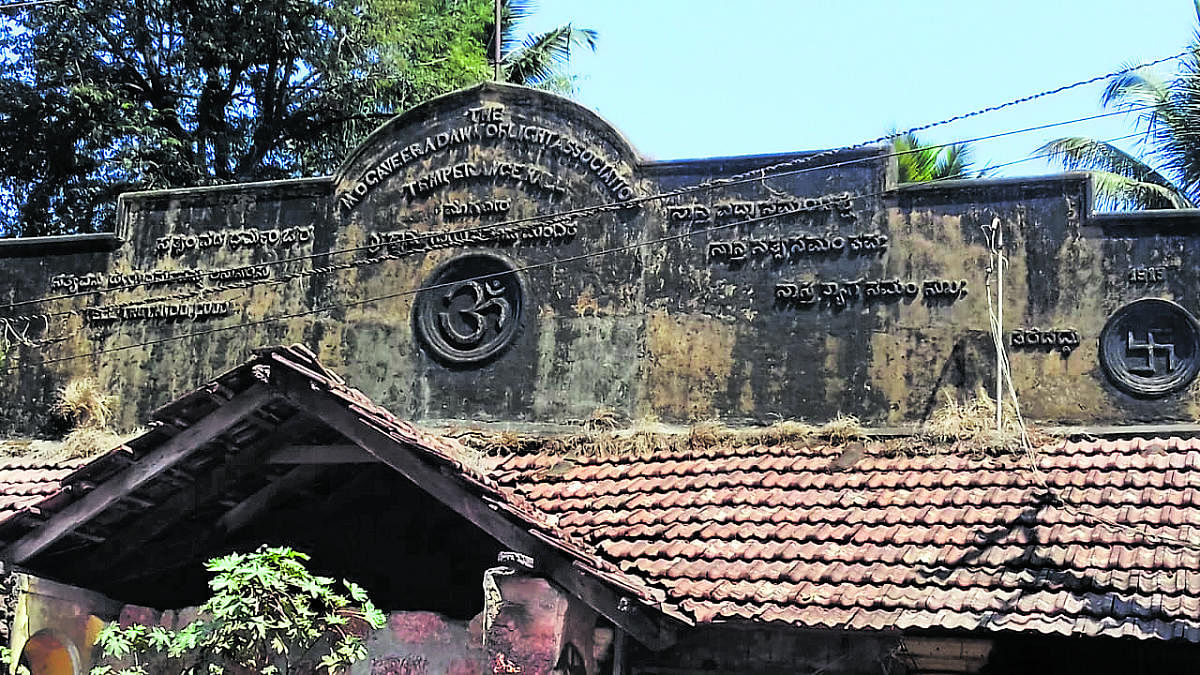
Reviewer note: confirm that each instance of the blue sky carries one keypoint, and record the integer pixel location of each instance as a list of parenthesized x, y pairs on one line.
[(693, 78)]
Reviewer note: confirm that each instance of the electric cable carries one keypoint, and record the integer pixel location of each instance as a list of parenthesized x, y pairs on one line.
[(411, 291), (30, 3), (586, 210), (754, 174)]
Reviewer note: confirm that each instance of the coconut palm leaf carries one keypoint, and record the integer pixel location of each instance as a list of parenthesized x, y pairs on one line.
[(1168, 121), (954, 162), (1176, 140), (1116, 191), (1139, 185), (512, 13), (918, 163), (540, 56)]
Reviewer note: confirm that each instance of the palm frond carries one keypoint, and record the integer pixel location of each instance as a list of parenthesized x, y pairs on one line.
[(954, 162), (559, 83), (1176, 141), (1077, 152), (540, 56), (1114, 191), (917, 162), (1135, 88), (512, 13)]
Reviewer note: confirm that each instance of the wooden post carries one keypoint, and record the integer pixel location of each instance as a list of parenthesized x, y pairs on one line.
[(620, 664)]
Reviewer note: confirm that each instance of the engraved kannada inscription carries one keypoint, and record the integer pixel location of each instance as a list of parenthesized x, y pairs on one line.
[(405, 242), (1064, 340), (409, 664), (841, 202), (843, 293), (175, 311), (96, 281), (175, 244), (795, 248), (459, 209)]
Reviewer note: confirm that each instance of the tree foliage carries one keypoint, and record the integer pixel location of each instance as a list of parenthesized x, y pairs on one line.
[(918, 162), (268, 613), (6, 662), (98, 97), (1167, 118), (538, 60)]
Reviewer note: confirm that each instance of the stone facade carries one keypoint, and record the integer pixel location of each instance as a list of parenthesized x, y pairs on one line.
[(820, 288)]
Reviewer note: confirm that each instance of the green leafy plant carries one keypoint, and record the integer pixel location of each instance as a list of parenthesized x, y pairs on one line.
[(268, 614), (920, 163), (6, 659), (100, 97)]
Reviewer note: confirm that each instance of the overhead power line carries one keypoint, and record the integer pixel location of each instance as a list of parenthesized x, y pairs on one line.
[(760, 173), (31, 3), (412, 291), (570, 213)]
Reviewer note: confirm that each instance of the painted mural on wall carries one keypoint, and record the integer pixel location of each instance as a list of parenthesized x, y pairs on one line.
[(504, 254)]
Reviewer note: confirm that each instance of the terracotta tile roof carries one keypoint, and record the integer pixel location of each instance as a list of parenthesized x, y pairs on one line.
[(792, 533), (25, 482), (785, 533)]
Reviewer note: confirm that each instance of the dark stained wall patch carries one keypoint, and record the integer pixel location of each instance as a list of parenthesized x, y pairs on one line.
[(740, 289)]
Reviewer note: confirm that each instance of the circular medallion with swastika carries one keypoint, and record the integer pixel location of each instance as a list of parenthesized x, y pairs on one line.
[(1151, 348), (470, 310)]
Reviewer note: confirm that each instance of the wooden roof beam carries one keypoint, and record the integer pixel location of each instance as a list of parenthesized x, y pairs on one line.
[(344, 453), (157, 520), (137, 474), (648, 627)]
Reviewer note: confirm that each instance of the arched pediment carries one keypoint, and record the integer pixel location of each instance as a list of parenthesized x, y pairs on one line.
[(449, 157)]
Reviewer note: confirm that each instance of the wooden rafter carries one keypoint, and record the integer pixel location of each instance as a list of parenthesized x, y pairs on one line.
[(649, 628), (346, 453), (208, 486), (138, 473), (188, 547), (241, 514)]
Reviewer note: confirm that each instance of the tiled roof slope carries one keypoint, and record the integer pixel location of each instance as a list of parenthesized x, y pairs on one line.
[(821, 537), (24, 482), (854, 536)]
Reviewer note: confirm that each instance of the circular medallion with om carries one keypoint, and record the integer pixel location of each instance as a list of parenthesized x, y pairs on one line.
[(469, 309)]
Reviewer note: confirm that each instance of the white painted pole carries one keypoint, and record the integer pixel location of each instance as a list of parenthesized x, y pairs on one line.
[(999, 228)]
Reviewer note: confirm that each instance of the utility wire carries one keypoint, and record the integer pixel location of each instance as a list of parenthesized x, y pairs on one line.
[(328, 269), (760, 173), (484, 277), (585, 210), (31, 3)]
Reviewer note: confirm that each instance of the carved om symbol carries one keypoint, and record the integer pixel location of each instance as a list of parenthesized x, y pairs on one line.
[(487, 296)]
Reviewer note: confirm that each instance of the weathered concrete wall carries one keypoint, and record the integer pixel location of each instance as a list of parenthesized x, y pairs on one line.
[(821, 290), (771, 651), (423, 643), (539, 630), (55, 625)]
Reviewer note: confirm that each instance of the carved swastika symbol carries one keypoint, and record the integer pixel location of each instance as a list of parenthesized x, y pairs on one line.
[(1150, 348), (1152, 352)]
